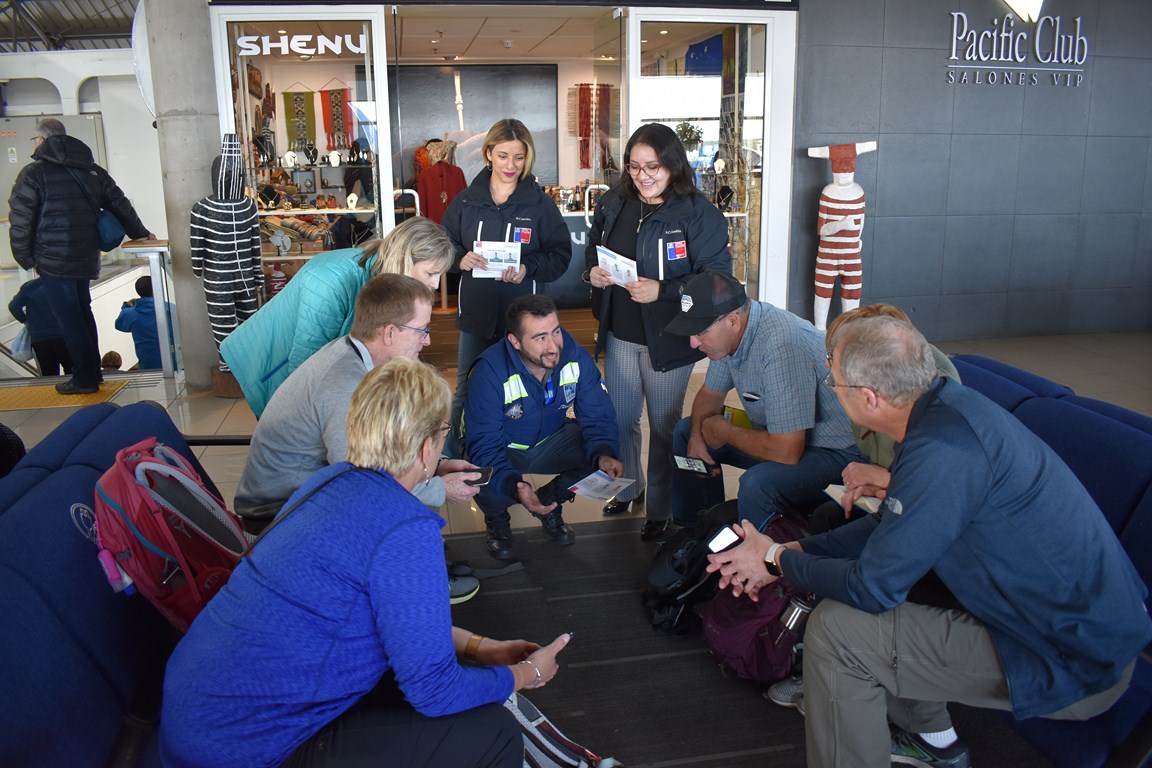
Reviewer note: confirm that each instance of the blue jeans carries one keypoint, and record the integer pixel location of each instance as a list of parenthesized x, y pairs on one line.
[(766, 488), (561, 454)]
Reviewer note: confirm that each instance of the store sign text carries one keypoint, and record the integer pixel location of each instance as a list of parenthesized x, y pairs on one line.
[(1050, 51), (312, 45)]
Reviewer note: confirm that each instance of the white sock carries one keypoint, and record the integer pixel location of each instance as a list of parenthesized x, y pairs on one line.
[(940, 739)]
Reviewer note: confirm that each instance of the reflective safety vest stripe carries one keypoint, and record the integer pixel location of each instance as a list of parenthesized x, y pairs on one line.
[(514, 389), (570, 374)]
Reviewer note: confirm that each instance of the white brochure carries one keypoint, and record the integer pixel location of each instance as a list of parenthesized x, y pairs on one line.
[(499, 256), (600, 486), (622, 268)]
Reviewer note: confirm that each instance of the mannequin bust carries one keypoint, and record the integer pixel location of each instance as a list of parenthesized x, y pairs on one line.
[(334, 159), (311, 153), (289, 159)]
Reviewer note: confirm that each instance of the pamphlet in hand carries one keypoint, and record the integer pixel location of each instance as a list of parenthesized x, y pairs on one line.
[(869, 503), (621, 268), (600, 487), (499, 256)]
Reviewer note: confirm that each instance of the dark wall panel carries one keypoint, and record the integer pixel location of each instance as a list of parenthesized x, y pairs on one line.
[(994, 209)]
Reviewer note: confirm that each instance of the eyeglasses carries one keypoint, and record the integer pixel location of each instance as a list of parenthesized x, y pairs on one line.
[(831, 383), (651, 169), (426, 331), (445, 429)]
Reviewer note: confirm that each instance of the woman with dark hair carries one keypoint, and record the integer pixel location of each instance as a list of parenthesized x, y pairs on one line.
[(655, 216), (503, 204)]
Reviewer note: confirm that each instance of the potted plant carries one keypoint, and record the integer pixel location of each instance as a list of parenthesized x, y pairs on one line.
[(689, 135)]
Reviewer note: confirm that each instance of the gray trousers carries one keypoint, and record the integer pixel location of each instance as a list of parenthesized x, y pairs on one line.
[(862, 670), (631, 381)]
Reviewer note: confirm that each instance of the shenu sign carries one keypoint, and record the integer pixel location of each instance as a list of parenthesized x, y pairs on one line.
[(310, 45), (1050, 50)]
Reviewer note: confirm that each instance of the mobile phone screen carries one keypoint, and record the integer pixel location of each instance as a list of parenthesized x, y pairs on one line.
[(723, 539), (485, 476), (692, 465)]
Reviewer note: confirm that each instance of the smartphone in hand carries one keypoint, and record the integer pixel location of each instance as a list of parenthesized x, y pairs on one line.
[(485, 476), (725, 538), (693, 465)]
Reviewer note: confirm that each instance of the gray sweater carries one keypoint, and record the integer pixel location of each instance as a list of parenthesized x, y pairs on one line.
[(304, 429)]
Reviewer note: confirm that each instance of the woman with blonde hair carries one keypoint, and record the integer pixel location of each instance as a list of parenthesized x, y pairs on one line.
[(503, 204), (337, 625), (316, 305)]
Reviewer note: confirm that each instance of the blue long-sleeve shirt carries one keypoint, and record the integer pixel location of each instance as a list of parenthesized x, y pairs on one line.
[(1009, 529), (508, 407), (351, 585)]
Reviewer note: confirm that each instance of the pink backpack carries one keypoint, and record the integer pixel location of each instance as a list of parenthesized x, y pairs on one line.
[(163, 533)]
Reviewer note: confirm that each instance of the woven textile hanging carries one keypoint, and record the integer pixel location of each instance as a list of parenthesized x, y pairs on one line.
[(299, 118), (337, 118)]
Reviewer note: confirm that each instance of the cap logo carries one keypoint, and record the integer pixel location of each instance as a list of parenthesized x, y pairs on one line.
[(685, 303)]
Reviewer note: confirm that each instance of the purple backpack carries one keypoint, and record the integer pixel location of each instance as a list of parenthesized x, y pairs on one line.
[(754, 639)]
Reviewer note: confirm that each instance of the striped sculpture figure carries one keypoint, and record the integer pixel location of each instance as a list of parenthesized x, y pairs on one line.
[(840, 223)]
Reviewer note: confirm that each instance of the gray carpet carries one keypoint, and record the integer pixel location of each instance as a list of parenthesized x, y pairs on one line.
[(640, 696)]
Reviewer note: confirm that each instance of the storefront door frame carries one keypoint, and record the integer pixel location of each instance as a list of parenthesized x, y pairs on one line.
[(779, 101)]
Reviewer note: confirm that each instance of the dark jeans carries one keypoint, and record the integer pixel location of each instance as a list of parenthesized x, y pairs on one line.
[(383, 731), (51, 356), (766, 488), (561, 454), (470, 347), (71, 302)]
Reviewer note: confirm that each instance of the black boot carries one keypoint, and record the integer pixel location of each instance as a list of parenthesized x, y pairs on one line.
[(499, 540), (554, 490), (555, 529)]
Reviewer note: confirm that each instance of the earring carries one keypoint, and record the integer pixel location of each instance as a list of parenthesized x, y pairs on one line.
[(427, 477)]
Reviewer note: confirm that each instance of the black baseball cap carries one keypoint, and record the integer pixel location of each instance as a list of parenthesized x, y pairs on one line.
[(706, 298)]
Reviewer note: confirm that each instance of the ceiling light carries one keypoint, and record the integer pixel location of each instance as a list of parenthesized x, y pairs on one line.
[(305, 56), (281, 31), (643, 41), (434, 42), (663, 31)]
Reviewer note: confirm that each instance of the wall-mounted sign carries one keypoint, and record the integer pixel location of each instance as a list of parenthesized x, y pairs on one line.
[(308, 45), (1046, 50)]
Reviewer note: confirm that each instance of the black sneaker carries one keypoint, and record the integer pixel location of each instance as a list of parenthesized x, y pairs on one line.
[(72, 388), (653, 529), (555, 529), (910, 749), (553, 491), (499, 540)]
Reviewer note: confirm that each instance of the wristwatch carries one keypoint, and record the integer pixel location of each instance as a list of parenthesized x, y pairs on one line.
[(770, 559)]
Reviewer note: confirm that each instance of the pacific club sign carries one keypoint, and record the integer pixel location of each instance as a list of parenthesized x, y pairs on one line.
[(1011, 52)]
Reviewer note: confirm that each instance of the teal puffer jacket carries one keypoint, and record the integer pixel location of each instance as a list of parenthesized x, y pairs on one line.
[(312, 310)]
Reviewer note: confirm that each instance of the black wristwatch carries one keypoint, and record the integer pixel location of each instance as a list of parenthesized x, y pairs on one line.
[(770, 559)]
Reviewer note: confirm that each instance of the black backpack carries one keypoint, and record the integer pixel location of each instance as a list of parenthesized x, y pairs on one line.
[(677, 579)]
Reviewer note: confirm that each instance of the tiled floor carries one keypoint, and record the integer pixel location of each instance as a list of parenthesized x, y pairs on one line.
[(1112, 367)]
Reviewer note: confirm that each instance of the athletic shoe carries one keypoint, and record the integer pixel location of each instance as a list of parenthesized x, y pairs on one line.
[(461, 589), (555, 529), (499, 540), (786, 693), (653, 529), (910, 749)]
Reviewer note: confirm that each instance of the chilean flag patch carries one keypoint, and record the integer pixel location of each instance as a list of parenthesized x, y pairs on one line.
[(677, 250), (522, 235)]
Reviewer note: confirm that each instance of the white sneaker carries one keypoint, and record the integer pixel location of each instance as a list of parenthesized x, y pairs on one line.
[(787, 693)]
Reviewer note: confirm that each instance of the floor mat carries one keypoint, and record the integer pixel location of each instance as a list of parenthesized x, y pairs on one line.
[(45, 396)]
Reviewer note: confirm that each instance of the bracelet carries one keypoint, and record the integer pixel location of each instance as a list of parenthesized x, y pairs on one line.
[(472, 646), (539, 677)]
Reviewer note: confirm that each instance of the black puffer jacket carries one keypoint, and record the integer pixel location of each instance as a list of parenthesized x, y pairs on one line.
[(53, 221)]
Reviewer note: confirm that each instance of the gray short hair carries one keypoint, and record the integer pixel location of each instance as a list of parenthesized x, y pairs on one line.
[(50, 126), (887, 355)]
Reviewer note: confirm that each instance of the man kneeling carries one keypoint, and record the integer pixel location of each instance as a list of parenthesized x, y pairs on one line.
[(516, 421), (1054, 613)]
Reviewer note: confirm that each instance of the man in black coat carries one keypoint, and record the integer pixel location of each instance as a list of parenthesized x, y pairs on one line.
[(54, 207)]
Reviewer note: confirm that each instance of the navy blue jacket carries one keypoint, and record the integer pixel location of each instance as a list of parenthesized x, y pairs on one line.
[(1009, 529), (528, 217), (29, 306), (687, 236), (506, 408)]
